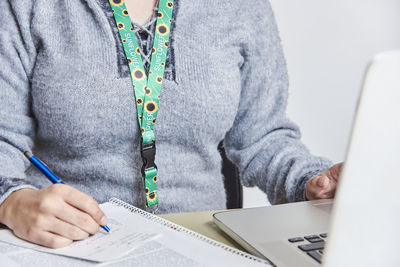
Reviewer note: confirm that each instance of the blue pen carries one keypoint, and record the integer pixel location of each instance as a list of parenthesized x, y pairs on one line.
[(50, 175)]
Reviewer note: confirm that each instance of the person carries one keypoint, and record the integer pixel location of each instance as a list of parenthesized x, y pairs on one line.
[(66, 94)]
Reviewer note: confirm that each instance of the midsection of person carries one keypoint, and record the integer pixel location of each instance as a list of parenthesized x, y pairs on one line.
[(88, 128), (226, 79)]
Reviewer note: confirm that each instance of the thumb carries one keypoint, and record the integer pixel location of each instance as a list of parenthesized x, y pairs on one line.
[(323, 182)]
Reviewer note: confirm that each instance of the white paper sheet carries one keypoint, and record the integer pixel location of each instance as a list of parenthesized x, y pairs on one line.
[(6, 261), (171, 248), (100, 247), (175, 248)]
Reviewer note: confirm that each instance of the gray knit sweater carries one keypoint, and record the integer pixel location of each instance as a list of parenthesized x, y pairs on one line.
[(66, 95)]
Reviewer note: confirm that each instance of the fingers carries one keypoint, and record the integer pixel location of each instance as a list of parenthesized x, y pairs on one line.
[(320, 187), (324, 185), (53, 216), (322, 182), (66, 230), (77, 218), (82, 202), (63, 233)]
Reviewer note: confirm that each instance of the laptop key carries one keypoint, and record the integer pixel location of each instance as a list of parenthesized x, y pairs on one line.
[(315, 240), (324, 235), (321, 251), (315, 255), (295, 239), (308, 237), (312, 246)]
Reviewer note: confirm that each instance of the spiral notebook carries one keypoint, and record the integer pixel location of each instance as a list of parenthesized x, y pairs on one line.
[(174, 246), (178, 246)]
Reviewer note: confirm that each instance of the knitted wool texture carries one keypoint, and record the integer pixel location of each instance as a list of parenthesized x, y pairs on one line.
[(65, 96)]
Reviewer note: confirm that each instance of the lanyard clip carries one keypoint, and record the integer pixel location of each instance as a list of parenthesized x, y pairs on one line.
[(148, 153), (152, 209)]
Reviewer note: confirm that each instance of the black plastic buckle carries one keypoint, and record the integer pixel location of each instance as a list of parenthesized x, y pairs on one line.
[(148, 153), (152, 209)]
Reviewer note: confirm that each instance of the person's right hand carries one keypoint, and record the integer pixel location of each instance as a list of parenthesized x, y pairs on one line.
[(54, 216)]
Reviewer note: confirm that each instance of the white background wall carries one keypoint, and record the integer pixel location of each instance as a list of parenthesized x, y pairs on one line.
[(328, 45)]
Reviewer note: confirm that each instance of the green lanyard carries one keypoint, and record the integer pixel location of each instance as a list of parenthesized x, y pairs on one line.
[(147, 90)]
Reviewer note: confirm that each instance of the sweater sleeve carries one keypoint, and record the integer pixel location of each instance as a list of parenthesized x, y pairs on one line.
[(17, 127), (263, 142)]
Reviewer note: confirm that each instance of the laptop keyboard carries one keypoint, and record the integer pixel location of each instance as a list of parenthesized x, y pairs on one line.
[(313, 245)]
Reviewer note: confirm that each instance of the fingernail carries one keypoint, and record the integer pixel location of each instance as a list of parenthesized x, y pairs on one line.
[(103, 220)]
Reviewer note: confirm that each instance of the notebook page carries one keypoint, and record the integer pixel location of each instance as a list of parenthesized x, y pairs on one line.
[(6, 261), (100, 247), (14, 256), (174, 248), (171, 248)]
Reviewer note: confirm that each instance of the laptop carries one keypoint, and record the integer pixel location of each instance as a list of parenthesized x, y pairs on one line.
[(361, 227)]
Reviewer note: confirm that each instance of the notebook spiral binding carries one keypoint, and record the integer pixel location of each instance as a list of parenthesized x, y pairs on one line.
[(182, 229)]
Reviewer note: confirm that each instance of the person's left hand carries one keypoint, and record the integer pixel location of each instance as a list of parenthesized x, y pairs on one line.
[(324, 184)]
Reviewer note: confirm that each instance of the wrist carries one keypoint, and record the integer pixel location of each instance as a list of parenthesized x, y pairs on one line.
[(7, 207)]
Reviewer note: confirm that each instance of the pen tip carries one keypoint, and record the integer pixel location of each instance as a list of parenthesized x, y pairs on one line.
[(105, 227), (28, 154)]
